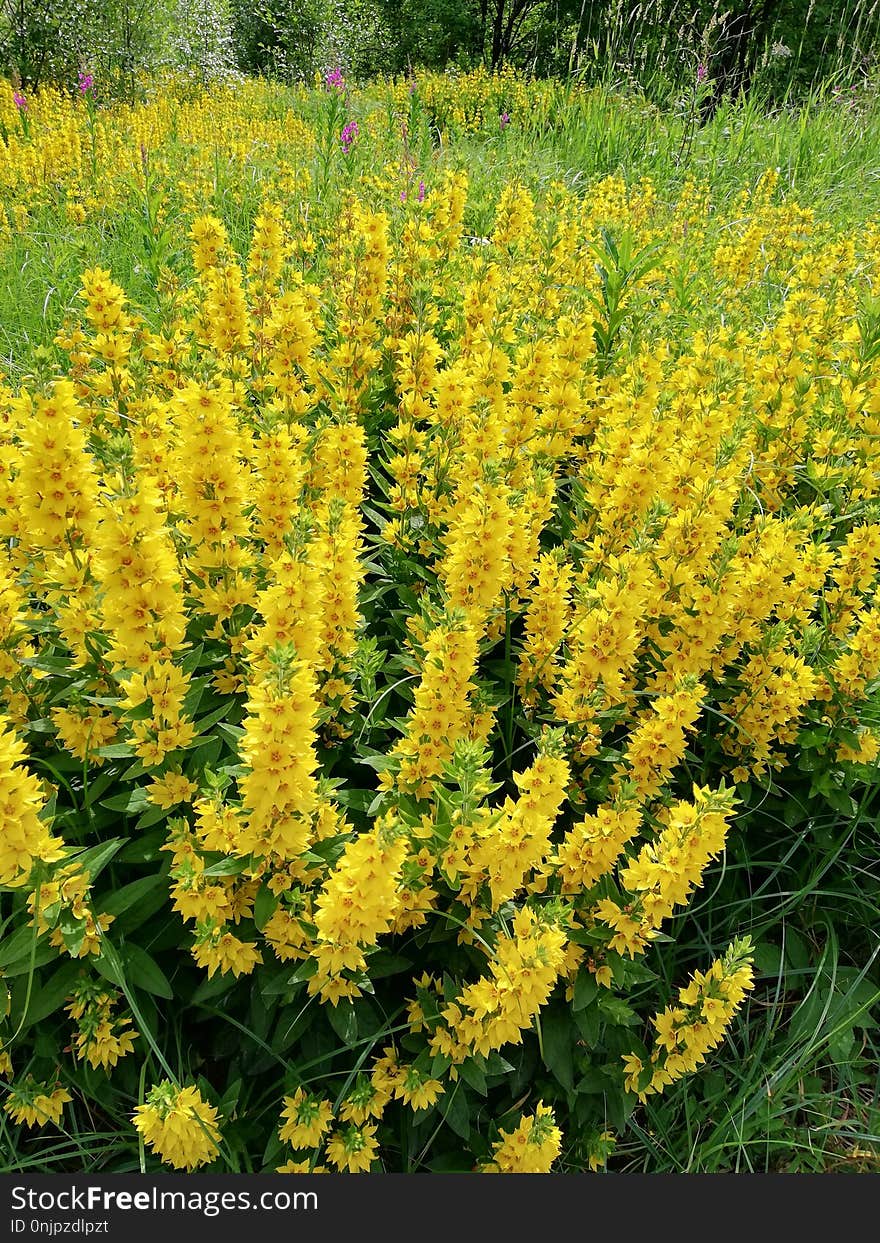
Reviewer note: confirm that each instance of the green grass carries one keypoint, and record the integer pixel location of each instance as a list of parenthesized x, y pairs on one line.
[(794, 1088)]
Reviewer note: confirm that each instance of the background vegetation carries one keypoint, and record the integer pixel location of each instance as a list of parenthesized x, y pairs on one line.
[(778, 49)]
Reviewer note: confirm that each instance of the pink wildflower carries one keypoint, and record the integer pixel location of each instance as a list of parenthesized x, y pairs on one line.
[(348, 136)]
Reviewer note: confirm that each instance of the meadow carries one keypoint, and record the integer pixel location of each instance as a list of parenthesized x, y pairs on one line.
[(439, 630)]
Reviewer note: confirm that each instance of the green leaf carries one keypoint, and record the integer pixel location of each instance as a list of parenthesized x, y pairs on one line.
[(265, 906), (556, 1042), (21, 966), (73, 931), (842, 802), (130, 803), (343, 1020), (617, 1011), (473, 1076), (144, 972), (191, 662), (588, 1022), (840, 1046), (209, 989), (116, 751), (768, 959), (593, 1082), (357, 800), (585, 990), (96, 858), (204, 724), (383, 963), (155, 815), (457, 1112), (304, 971), (17, 946), (119, 900), (797, 951), (144, 849), (380, 763), (54, 993), (497, 1065), (227, 867), (292, 1022), (279, 982), (439, 1064), (619, 1107)]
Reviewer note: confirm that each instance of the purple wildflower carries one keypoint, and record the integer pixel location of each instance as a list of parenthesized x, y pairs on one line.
[(333, 79), (403, 196), (701, 72), (86, 81), (19, 100), (504, 120), (421, 192), (348, 136)]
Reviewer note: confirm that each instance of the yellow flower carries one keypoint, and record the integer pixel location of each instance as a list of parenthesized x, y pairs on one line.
[(179, 1126), (531, 1148), (687, 1032), (222, 951), (416, 1089), (353, 1149), (171, 788), (306, 1118), (24, 837), (101, 1037), (34, 1104)]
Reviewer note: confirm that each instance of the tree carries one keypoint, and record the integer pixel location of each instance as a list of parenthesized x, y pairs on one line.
[(281, 38), (40, 39)]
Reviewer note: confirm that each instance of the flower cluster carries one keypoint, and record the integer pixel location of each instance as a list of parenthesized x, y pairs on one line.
[(102, 1038), (530, 1148), (179, 1126), (34, 1104), (349, 135), (685, 1033)]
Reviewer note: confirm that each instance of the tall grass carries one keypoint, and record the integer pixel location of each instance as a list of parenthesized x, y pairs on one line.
[(791, 51)]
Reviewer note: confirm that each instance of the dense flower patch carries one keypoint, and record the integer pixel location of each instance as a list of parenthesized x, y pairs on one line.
[(392, 630)]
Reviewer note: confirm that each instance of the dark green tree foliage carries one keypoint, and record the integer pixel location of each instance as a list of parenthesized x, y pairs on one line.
[(434, 33), (281, 38)]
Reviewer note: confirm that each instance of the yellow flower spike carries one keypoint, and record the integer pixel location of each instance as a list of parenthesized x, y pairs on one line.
[(33, 1104), (531, 1148), (179, 1126)]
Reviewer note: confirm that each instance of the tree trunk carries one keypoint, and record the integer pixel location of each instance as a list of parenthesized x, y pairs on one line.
[(497, 33)]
